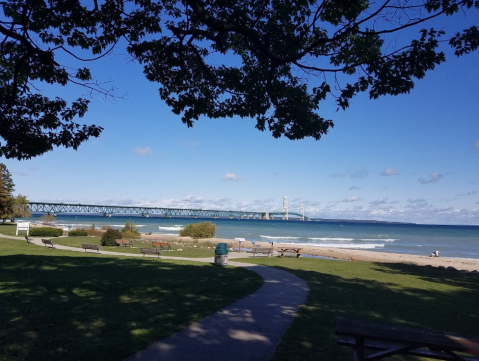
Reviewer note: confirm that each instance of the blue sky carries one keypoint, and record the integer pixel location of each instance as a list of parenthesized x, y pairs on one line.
[(411, 158)]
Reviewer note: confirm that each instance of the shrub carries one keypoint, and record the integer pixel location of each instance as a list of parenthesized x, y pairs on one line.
[(45, 232), (78, 233), (108, 238), (199, 230), (47, 219)]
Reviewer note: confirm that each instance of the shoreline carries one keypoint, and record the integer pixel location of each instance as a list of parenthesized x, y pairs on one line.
[(347, 254)]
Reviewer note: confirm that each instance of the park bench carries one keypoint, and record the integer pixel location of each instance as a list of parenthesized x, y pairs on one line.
[(47, 241), (259, 250), (161, 245), (86, 246), (29, 240), (124, 242), (151, 251), (390, 340)]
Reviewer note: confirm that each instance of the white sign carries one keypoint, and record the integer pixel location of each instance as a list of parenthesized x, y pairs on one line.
[(23, 226)]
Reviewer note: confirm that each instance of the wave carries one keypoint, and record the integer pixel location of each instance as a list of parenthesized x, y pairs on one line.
[(274, 237), (330, 239), (176, 228), (339, 239), (342, 245)]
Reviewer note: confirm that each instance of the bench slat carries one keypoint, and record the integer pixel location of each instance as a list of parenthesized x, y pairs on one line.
[(385, 332), (375, 345), (86, 246), (394, 339), (150, 250), (257, 250)]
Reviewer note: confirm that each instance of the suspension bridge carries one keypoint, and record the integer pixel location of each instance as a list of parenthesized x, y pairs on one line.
[(109, 210)]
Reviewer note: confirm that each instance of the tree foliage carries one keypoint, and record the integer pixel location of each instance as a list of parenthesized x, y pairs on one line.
[(4, 200), (47, 219), (272, 60), (7, 179), (20, 207), (199, 230)]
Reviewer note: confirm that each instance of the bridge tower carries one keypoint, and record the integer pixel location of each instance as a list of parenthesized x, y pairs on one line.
[(301, 210), (285, 208)]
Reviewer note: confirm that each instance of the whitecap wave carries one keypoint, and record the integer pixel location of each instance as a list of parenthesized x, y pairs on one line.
[(342, 245), (330, 239), (339, 239), (176, 228), (274, 237)]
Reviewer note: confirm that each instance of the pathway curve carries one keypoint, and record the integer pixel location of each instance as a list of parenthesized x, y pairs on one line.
[(249, 329)]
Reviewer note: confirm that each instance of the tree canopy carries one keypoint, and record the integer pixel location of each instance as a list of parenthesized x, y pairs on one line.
[(272, 60)]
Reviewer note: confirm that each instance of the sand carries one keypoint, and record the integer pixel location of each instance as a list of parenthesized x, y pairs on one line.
[(346, 254), (460, 264)]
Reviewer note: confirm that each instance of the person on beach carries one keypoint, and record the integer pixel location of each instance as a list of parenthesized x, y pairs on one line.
[(434, 254)]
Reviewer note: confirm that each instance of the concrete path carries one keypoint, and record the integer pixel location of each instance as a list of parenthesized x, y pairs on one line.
[(249, 329)]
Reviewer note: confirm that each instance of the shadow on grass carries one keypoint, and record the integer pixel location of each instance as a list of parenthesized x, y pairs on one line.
[(91, 308), (390, 293)]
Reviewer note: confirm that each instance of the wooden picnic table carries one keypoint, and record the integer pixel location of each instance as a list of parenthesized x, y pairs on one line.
[(388, 340), (291, 249)]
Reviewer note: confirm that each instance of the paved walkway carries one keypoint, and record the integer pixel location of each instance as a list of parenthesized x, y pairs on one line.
[(249, 329)]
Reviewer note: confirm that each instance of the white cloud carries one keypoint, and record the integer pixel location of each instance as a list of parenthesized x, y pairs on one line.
[(465, 194), (354, 188), (143, 151), (379, 201), (360, 173), (389, 171), (231, 177), (432, 179), (352, 199), (417, 200)]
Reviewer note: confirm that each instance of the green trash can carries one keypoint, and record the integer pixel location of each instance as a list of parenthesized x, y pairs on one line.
[(221, 254)]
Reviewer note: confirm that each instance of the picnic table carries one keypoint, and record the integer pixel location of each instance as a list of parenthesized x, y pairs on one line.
[(291, 249), (388, 340)]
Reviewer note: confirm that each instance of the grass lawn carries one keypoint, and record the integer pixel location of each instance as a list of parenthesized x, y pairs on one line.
[(178, 249), (390, 293), (62, 305), (192, 250)]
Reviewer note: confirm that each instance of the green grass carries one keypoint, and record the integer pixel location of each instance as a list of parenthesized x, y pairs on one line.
[(390, 293), (188, 249), (192, 249), (62, 305), (10, 229)]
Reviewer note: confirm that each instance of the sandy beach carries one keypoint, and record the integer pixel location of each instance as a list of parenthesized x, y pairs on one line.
[(345, 254)]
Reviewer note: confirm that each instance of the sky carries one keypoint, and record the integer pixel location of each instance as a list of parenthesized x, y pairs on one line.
[(408, 158)]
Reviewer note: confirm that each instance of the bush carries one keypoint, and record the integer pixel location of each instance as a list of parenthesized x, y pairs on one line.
[(199, 230), (130, 226), (108, 238), (47, 219), (78, 233), (46, 232)]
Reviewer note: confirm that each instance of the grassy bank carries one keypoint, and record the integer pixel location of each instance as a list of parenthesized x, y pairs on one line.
[(191, 249), (75, 306), (390, 293), (178, 249)]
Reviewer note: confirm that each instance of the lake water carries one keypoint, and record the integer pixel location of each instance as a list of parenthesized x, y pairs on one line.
[(451, 241)]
